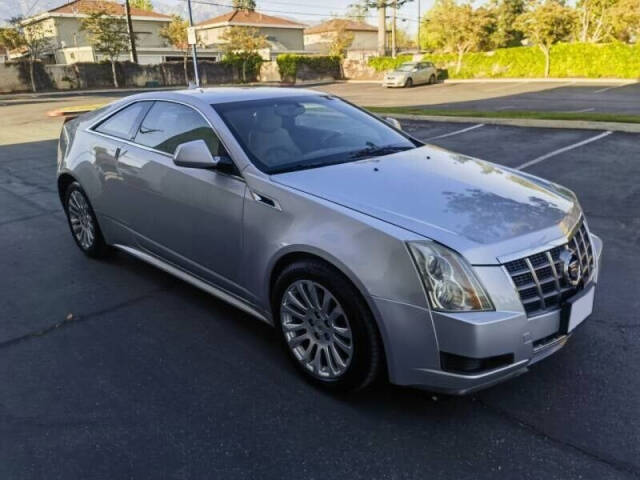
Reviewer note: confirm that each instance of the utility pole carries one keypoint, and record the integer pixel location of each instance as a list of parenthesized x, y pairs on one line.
[(393, 29), (419, 22), (132, 37), (382, 28), (194, 50)]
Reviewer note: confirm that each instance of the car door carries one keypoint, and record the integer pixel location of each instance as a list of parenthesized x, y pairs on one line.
[(109, 143), (423, 73), (191, 217)]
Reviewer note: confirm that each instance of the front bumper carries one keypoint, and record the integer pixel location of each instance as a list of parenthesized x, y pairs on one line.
[(414, 345), (394, 82)]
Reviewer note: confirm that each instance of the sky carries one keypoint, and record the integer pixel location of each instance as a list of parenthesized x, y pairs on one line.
[(306, 11)]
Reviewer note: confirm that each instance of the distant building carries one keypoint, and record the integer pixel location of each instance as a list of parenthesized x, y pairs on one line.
[(318, 39), (69, 44), (282, 35)]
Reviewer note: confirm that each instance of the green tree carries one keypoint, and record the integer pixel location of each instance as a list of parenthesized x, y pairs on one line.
[(455, 28), (109, 36), (243, 43), (595, 20), (176, 34), (141, 4), (358, 11), (247, 5), (341, 42), (504, 13), (625, 24), (30, 37), (544, 23)]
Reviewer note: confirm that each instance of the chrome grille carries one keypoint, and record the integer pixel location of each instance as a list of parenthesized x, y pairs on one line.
[(539, 279)]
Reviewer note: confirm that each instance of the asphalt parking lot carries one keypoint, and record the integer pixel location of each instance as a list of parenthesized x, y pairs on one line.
[(116, 370), (561, 96)]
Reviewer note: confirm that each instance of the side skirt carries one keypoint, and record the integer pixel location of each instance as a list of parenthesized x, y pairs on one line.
[(195, 281)]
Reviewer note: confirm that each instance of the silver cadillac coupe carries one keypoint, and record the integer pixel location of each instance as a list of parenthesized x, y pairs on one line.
[(369, 251)]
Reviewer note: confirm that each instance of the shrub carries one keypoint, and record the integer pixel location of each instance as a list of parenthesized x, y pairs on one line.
[(381, 64), (614, 60), (246, 64), (289, 65)]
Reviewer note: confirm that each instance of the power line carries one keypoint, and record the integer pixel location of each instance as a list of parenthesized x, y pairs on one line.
[(290, 12)]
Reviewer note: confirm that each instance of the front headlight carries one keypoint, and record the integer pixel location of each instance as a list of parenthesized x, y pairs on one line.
[(448, 279)]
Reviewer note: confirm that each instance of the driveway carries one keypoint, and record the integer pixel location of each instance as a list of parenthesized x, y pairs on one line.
[(113, 369)]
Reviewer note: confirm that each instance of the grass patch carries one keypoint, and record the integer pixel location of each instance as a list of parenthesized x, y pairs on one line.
[(585, 116)]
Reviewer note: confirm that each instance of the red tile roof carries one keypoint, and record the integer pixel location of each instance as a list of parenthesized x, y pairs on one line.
[(86, 6), (339, 24), (242, 17)]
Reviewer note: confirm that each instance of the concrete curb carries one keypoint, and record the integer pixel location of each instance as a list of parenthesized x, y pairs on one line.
[(525, 122), (620, 81)]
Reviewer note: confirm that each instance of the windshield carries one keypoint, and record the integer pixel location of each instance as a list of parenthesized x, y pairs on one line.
[(406, 67), (294, 133)]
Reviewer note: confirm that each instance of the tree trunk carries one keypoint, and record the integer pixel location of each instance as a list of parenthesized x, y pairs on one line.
[(32, 75), (113, 71), (244, 71), (459, 62), (186, 69), (393, 30), (547, 60)]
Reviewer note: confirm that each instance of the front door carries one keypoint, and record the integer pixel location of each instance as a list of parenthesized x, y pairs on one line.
[(191, 217)]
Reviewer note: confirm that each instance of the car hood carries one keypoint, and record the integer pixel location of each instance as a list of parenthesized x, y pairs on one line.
[(478, 208)]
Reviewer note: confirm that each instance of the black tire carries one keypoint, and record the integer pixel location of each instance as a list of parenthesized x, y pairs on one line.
[(368, 355), (97, 247), (432, 79), (408, 83)]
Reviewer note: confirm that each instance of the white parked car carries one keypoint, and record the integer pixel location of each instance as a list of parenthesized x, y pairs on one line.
[(411, 73)]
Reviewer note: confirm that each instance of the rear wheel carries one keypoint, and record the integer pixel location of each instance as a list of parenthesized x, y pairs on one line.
[(326, 327), (408, 83), (83, 223)]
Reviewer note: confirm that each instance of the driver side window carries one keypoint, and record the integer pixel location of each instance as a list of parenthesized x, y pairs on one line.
[(169, 124)]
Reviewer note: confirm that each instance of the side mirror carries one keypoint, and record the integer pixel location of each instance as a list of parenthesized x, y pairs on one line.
[(393, 122), (196, 154)]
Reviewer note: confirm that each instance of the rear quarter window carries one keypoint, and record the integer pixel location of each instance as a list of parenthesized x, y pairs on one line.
[(123, 123)]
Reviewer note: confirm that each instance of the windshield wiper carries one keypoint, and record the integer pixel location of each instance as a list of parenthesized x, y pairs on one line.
[(374, 151)]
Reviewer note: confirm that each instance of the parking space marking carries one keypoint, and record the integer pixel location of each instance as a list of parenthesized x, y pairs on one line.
[(582, 110), (606, 89), (562, 150), (456, 132)]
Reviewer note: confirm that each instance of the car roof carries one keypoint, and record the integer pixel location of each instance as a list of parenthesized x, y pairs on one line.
[(219, 95)]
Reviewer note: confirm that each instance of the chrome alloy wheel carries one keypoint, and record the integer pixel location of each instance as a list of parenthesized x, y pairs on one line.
[(81, 219), (316, 329)]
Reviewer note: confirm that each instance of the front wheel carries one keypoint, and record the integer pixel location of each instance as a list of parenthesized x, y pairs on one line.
[(432, 79), (326, 327), (408, 83), (83, 222)]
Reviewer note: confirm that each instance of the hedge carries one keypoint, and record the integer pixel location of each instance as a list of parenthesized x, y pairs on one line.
[(290, 64), (247, 64), (381, 64), (610, 60)]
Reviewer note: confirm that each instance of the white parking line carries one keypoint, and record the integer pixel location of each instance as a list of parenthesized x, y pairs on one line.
[(581, 111), (463, 130), (606, 89), (562, 150)]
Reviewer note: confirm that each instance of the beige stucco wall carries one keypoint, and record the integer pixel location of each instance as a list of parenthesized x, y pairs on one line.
[(68, 31), (361, 40), (291, 38)]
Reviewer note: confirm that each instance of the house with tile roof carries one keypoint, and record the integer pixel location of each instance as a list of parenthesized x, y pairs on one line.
[(69, 44), (318, 38), (283, 35)]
